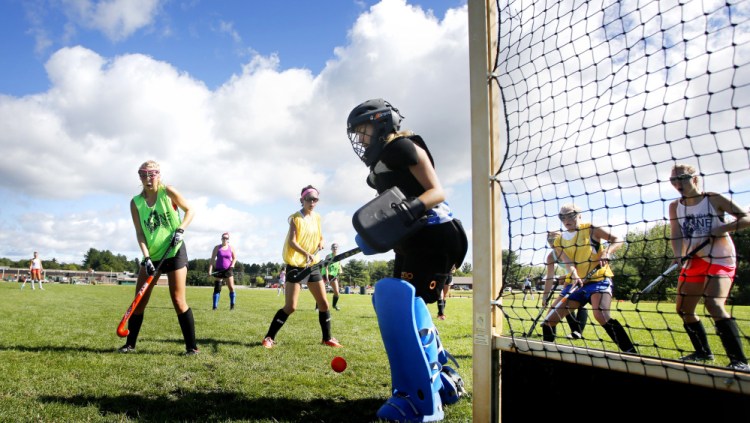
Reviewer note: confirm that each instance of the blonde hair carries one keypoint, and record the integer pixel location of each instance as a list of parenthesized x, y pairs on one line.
[(151, 165), (686, 168), (569, 208), (398, 134)]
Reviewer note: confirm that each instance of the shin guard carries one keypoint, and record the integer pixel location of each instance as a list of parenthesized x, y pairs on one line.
[(615, 331), (729, 334), (412, 347)]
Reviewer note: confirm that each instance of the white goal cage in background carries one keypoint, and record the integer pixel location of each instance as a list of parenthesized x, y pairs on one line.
[(594, 102)]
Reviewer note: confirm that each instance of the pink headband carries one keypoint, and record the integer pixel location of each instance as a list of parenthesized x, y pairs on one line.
[(307, 191)]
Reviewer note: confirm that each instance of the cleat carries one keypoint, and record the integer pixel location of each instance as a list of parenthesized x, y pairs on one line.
[(191, 352), (333, 342), (231, 307), (337, 308), (739, 366), (268, 342), (574, 335), (441, 317), (126, 349), (699, 357)]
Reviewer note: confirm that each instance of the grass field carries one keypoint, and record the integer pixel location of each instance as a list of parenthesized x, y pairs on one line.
[(58, 360)]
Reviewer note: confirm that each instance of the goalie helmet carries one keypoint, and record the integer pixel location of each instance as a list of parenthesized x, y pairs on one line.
[(384, 119)]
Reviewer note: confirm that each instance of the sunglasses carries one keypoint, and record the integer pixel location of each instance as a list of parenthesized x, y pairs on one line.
[(225, 239), (564, 216), (144, 174), (312, 199), (680, 178)]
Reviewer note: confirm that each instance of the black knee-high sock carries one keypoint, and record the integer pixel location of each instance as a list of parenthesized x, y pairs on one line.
[(617, 333), (441, 307), (697, 334), (187, 324), (730, 338), (548, 333), (575, 325), (335, 300), (325, 324), (134, 327), (278, 321)]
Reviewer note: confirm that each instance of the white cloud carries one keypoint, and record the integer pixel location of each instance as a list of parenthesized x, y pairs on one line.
[(117, 19), (240, 153)]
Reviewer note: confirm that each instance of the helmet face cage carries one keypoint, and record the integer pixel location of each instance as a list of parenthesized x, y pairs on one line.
[(375, 118)]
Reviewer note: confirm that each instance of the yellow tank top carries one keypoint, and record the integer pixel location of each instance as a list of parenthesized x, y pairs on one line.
[(584, 252), (309, 234)]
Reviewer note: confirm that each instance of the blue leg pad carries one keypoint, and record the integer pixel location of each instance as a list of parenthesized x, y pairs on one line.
[(444, 379), (409, 341)]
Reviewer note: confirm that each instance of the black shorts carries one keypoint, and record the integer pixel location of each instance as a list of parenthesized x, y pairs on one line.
[(224, 274), (179, 261), (314, 276), (425, 260)]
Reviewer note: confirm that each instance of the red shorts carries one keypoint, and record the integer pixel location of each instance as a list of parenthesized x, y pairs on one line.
[(36, 274), (698, 270)]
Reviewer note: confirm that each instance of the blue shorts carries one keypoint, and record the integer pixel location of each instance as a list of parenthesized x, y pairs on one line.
[(583, 294)]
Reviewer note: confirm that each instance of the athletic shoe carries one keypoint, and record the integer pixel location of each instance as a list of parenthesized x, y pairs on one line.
[(739, 366), (126, 349), (215, 308), (231, 307), (191, 352), (574, 335), (441, 316), (333, 342), (337, 308), (268, 342), (696, 356)]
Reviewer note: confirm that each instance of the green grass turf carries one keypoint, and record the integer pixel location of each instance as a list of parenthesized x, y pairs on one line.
[(58, 360)]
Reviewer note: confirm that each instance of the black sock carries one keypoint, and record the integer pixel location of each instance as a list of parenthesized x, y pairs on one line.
[(548, 333), (335, 300), (441, 307), (187, 324), (697, 334), (134, 327), (278, 321), (617, 333), (325, 324), (730, 338), (575, 326)]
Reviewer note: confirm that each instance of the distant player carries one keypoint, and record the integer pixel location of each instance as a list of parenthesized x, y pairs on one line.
[(331, 275), (223, 259), (35, 268)]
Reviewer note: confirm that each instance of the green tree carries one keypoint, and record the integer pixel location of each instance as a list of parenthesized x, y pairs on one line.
[(512, 268), (645, 255), (356, 272)]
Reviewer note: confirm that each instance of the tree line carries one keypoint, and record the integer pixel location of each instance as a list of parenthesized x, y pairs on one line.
[(354, 272), (645, 255)]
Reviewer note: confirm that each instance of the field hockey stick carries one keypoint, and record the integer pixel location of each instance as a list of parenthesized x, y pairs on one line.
[(637, 296), (298, 275), (541, 310), (122, 331)]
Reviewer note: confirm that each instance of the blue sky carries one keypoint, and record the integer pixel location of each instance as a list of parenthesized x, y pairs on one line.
[(242, 102)]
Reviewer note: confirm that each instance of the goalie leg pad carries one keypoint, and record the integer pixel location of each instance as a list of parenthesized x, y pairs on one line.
[(414, 377), (445, 380)]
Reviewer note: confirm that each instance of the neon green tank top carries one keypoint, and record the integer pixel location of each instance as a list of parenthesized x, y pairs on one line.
[(158, 223)]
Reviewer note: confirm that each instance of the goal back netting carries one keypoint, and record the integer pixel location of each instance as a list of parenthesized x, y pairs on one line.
[(594, 103)]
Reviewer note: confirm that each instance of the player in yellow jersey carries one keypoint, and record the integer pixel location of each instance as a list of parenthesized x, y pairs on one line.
[(590, 277)]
